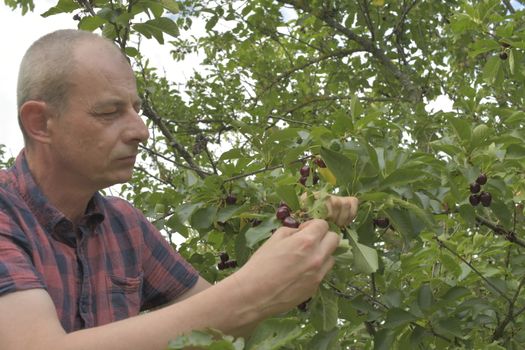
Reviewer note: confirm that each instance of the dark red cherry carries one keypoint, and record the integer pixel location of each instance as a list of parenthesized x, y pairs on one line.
[(382, 222), (475, 187), (474, 199), (485, 198), (482, 179), (305, 171), (290, 222), (282, 213), (320, 163), (224, 257), (231, 199)]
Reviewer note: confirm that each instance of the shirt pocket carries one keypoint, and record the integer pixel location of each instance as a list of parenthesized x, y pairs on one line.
[(125, 295)]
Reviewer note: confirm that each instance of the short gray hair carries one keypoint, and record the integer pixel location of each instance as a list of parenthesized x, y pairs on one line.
[(46, 68)]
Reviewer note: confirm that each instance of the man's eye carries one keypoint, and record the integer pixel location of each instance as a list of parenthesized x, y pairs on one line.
[(105, 113)]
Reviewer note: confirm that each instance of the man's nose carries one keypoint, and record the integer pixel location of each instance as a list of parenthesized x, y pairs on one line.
[(136, 129)]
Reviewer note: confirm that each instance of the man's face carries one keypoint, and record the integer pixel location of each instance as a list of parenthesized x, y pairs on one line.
[(95, 140)]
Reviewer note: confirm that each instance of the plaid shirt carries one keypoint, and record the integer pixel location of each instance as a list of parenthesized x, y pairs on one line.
[(115, 264)]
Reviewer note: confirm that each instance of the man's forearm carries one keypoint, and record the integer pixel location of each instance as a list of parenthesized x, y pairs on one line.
[(219, 307)]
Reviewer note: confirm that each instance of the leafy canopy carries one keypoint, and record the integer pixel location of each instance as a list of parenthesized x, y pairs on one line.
[(354, 83)]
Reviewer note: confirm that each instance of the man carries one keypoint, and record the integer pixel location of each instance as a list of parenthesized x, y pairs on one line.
[(76, 267)]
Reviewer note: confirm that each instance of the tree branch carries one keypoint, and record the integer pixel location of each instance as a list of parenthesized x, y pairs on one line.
[(363, 6), (414, 92), (492, 285), (267, 168), (501, 231), (509, 6), (157, 120), (179, 165), (498, 332), (287, 74)]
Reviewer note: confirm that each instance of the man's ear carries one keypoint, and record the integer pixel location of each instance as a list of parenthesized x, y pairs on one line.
[(34, 117)]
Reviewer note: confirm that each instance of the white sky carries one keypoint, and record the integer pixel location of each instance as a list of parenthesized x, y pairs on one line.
[(18, 34)]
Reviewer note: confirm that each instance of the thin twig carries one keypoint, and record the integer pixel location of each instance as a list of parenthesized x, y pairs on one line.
[(501, 231), (476, 271)]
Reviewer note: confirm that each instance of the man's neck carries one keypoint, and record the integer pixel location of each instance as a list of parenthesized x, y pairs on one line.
[(61, 190)]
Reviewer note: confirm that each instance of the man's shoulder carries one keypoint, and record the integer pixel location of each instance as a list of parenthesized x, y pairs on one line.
[(117, 203), (9, 194), (119, 207), (7, 180)]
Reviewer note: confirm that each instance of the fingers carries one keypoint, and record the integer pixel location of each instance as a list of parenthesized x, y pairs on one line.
[(342, 210), (283, 231), (329, 243), (315, 227)]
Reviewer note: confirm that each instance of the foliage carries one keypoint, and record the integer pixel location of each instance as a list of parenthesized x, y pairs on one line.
[(284, 82)]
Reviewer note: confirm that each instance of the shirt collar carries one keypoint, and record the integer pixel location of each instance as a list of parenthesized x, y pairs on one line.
[(52, 219)]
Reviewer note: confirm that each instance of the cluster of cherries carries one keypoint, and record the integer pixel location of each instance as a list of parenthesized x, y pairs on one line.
[(476, 197), (305, 172), (283, 213), (225, 262)]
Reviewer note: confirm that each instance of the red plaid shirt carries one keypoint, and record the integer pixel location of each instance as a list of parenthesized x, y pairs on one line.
[(114, 266)]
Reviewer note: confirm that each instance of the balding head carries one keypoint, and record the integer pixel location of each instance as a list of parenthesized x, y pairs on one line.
[(47, 66)]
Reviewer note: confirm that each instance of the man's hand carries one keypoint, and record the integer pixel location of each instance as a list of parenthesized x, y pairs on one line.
[(288, 268), (341, 210)]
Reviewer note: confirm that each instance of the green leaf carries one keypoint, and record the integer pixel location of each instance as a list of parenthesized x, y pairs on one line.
[(325, 341), (195, 338), (273, 334), (392, 298), (339, 165), (491, 70), (210, 24), (480, 134), (170, 5), (397, 317), (184, 211), (91, 23), (463, 129), (455, 293), (288, 195), (156, 27), (203, 218), (421, 214), (227, 212), (383, 339), (355, 108), (210, 340), (324, 310), (405, 222), (515, 151), (260, 232), (365, 258), (482, 46), (63, 6), (450, 326), (425, 298), (511, 62), (401, 177)]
